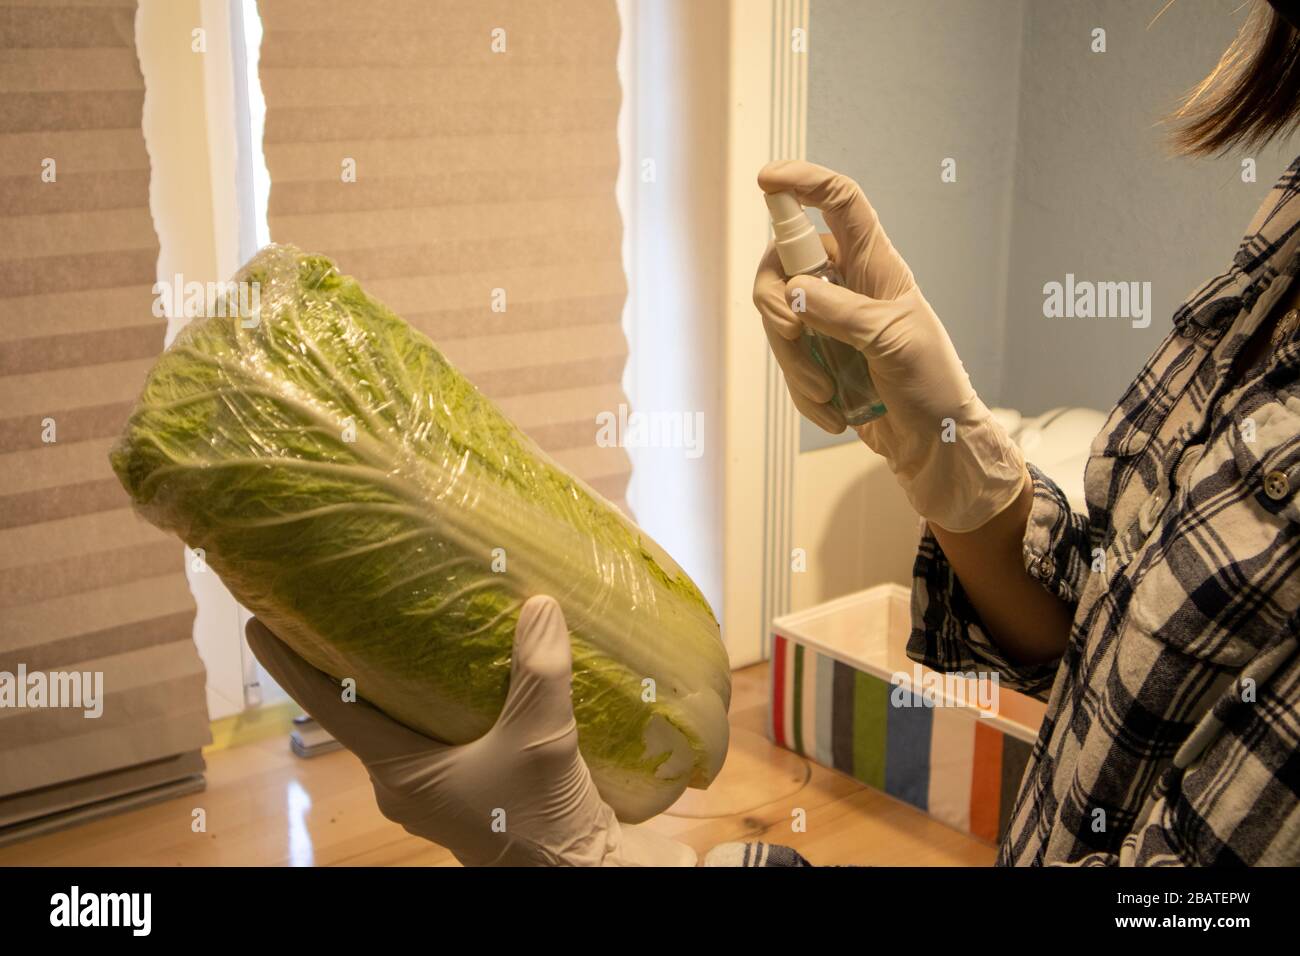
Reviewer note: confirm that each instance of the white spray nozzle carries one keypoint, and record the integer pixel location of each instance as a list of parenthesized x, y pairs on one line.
[(797, 243)]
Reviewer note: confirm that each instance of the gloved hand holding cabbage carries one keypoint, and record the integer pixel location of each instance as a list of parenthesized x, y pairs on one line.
[(387, 523), (520, 795)]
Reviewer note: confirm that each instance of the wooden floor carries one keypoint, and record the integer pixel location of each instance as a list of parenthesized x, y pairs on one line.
[(265, 807)]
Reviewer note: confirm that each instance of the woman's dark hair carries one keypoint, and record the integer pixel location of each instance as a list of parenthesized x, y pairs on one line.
[(1253, 94)]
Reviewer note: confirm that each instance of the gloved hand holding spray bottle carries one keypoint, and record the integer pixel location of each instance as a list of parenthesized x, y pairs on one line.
[(802, 253), (958, 467)]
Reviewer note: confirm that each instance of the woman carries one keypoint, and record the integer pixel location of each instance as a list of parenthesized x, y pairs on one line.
[(1160, 627)]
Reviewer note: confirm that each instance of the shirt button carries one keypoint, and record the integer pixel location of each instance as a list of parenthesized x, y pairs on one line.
[(1187, 464), (1150, 512), (1276, 485)]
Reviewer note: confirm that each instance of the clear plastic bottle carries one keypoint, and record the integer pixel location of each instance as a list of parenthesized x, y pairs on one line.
[(802, 253)]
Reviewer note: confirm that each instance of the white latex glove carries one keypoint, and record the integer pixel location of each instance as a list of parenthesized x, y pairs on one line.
[(525, 771), (956, 464)]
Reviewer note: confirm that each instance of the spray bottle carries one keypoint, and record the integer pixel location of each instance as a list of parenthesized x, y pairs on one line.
[(802, 253)]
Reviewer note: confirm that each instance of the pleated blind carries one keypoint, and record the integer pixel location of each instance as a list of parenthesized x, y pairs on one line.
[(481, 141), (85, 585)]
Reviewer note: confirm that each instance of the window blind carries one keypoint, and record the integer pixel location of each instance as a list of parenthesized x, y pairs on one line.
[(85, 585), (461, 160)]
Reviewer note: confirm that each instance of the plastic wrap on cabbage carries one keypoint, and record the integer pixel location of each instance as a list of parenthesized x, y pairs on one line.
[(387, 521)]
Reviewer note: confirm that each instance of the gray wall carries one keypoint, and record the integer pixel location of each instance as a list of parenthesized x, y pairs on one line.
[(896, 86), (1061, 167), (1098, 194)]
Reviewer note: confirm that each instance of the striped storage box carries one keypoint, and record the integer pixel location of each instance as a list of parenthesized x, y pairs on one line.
[(831, 702)]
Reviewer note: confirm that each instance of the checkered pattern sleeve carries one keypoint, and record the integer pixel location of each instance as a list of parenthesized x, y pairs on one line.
[(1057, 546), (947, 633)]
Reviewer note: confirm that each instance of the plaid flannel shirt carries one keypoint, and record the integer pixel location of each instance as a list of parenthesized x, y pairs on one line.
[(1172, 731)]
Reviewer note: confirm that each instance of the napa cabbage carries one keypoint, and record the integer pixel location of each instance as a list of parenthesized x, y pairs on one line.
[(387, 521)]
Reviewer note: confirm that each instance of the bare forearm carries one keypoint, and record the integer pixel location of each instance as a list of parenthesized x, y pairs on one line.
[(1024, 619)]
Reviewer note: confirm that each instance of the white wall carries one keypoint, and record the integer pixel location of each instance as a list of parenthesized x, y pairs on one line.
[(853, 522)]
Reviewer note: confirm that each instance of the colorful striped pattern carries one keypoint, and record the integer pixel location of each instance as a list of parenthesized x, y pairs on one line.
[(944, 760)]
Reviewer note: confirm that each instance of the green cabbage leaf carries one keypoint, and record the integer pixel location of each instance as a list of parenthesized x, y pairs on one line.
[(386, 520)]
